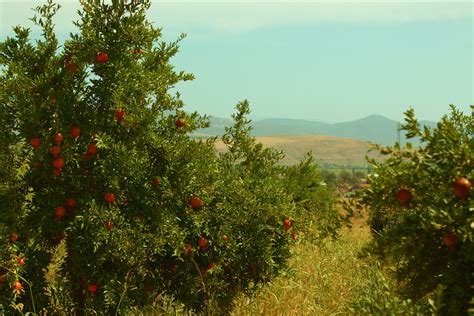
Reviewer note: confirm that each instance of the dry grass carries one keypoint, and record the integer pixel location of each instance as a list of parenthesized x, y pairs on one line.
[(327, 149), (322, 282)]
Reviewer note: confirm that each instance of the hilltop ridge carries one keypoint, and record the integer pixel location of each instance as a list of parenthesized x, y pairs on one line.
[(374, 128)]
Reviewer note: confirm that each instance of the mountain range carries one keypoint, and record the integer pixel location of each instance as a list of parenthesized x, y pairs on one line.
[(374, 128)]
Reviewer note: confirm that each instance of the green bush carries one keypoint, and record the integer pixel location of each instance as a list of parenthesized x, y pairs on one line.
[(422, 224), (378, 296), (315, 216), (108, 204)]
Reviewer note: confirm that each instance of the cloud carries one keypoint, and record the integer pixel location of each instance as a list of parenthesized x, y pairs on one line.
[(225, 16), (237, 17)]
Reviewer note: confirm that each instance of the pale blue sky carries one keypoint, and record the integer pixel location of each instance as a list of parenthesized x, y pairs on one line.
[(323, 61)]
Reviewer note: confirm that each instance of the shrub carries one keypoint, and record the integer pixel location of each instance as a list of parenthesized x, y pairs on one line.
[(378, 296), (422, 225), (316, 216)]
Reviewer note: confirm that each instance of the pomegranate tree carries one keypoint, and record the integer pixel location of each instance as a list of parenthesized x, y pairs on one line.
[(420, 210)]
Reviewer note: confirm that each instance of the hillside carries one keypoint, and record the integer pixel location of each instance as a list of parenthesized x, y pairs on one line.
[(374, 128), (326, 149)]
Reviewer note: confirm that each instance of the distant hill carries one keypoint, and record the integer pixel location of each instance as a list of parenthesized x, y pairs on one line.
[(272, 127), (374, 128)]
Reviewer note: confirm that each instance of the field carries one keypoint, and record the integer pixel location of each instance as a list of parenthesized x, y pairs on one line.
[(326, 149)]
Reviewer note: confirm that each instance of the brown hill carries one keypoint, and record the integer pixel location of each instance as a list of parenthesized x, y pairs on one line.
[(326, 149)]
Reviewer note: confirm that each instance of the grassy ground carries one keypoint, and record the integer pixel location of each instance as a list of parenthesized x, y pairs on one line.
[(323, 282)]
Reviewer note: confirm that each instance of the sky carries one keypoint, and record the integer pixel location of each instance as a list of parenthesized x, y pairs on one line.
[(321, 61)]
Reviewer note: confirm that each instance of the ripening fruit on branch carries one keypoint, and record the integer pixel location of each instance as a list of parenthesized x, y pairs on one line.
[(58, 163), (92, 288), (60, 212), (155, 182), (180, 123), (109, 197), (404, 196), (195, 202), (211, 265), (203, 243), (58, 138), (108, 225), (72, 67), (450, 240), (225, 237), (14, 236), (187, 248), (71, 202), (294, 236), (17, 286), (119, 114), (75, 132), (53, 99), (287, 224), (55, 150), (91, 149), (462, 188), (21, 261), (101, 57), (35, 142)]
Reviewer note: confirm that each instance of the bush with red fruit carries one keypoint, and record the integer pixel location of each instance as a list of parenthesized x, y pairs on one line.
[(420, 210), (316, 217), (125, 239)]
